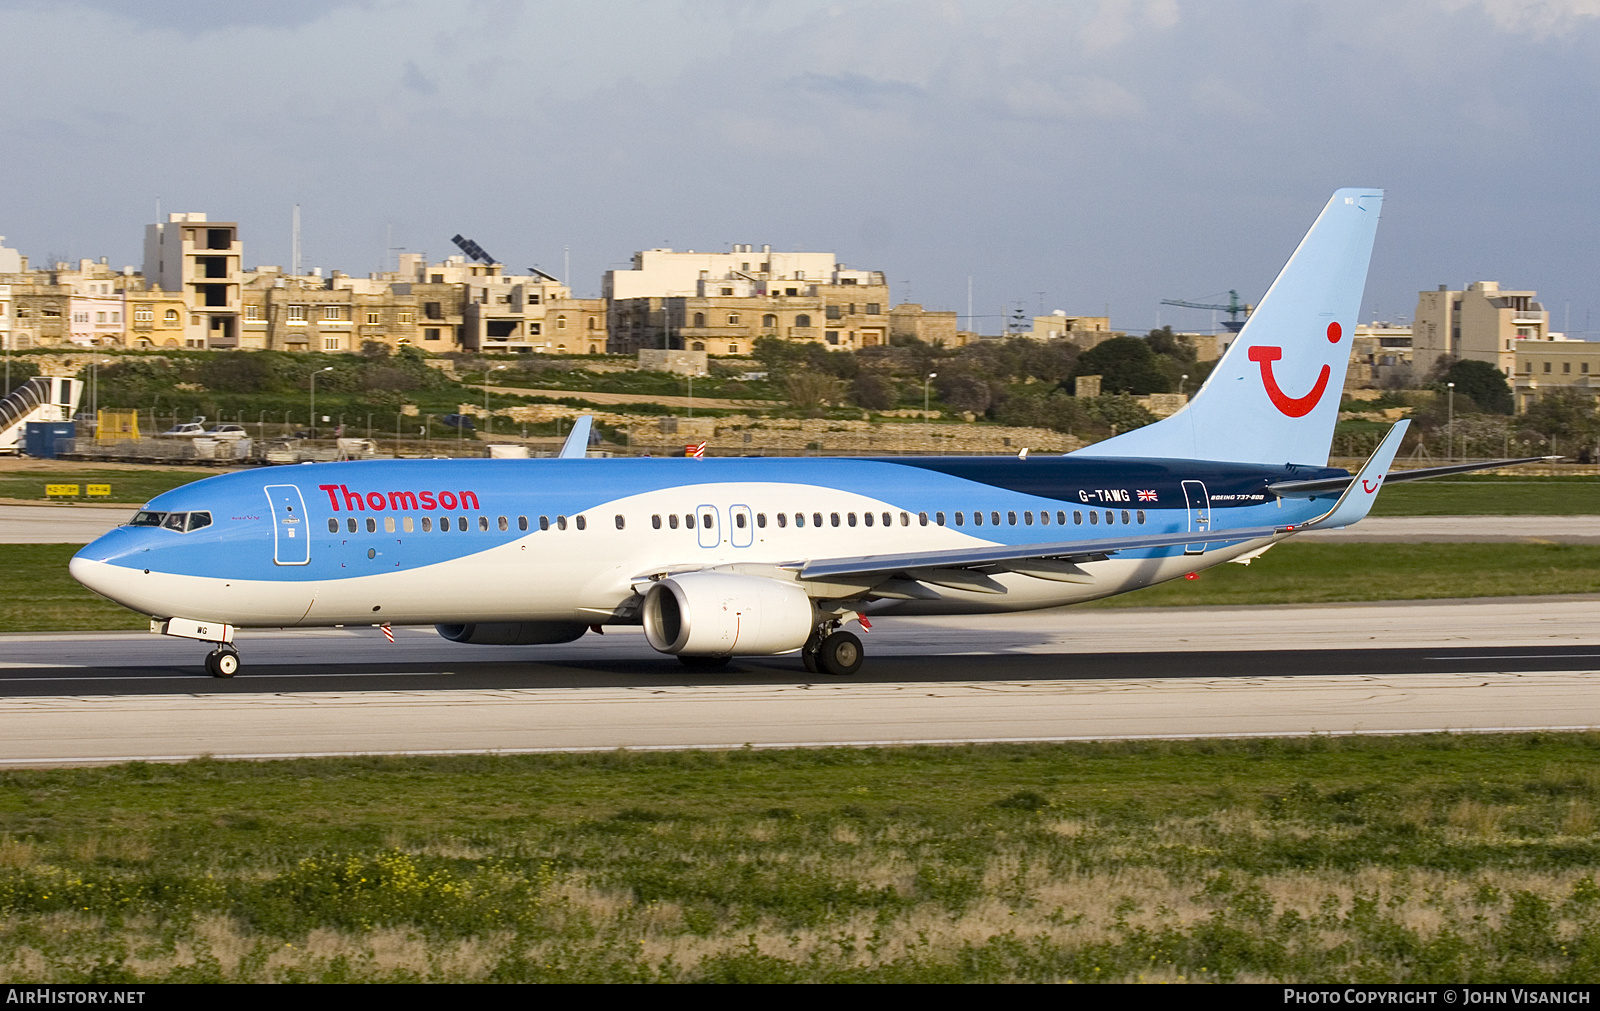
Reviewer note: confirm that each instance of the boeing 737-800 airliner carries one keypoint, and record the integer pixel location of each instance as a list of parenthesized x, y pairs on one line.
[(749, 557)]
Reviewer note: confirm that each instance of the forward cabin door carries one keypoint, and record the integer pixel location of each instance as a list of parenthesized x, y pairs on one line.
[(707, 526), (1194, 492), (291, 534)]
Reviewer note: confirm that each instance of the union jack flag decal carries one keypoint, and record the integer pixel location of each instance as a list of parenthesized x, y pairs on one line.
[(1147, 496)]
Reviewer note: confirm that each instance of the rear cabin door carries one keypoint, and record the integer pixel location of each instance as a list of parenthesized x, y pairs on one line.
[(291, 534), (1194, 492)]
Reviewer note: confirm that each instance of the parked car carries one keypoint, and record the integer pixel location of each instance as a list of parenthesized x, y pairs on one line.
[(229, 432), (187, 430), (460, 421)]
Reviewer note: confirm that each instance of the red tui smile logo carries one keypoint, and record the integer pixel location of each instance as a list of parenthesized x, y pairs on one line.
[(1294, 407)]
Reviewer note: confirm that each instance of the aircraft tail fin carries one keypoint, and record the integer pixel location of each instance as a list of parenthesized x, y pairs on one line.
[(577, 445), (1274, 396)]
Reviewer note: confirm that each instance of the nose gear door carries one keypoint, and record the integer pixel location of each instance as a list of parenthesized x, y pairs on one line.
[(1194, 492), (291, 534)]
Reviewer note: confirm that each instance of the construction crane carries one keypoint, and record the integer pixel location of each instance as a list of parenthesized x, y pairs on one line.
[(1234, 308)]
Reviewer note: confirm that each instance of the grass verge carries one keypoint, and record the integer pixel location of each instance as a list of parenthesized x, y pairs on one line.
[(1445, 858), (132, 486), (37, 594), (1304, 573), (1532, 496)]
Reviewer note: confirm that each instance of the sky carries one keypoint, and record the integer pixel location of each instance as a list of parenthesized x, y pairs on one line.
[(1094, 156)]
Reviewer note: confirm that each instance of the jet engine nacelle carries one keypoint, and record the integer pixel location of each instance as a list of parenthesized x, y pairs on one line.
[(513, 633), (725, 614)]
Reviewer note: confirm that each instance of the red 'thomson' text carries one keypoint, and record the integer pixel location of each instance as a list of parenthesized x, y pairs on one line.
[(398, 501)]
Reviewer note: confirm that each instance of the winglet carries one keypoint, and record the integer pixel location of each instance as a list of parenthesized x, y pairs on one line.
[(577, 445), (1357, 499)]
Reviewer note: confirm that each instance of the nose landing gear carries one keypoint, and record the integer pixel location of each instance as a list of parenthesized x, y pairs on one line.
[(222, 662)]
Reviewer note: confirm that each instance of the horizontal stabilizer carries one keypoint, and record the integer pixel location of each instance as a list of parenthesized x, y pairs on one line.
[(1309, 489)]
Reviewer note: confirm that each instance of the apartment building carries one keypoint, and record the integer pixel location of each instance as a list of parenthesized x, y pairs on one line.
[(1480, 321), (721, 303), (203, 260), (1546, 366)]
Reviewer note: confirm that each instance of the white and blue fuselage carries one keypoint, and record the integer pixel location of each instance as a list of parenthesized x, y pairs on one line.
[(462, 541)]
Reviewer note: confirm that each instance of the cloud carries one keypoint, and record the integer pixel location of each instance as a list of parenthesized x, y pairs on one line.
[(415, 80), (1538, 18), (199, 17), (1075, 99)]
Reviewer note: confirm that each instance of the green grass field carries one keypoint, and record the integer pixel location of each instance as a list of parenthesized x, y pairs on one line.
[(1448, 858), (135, 486), (1497, 496), (37, 594)]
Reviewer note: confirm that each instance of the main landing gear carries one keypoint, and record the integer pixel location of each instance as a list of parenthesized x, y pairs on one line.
[(830, 651), (222, 662)]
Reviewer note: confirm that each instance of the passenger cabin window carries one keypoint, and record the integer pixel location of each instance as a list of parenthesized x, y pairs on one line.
[(461, 524), (688, 521), (1094, 518), (960, 519), (583, 524), (561, 523), (977, 519), (427, 524), (655, 521), (672, 521), (707, 522), (851, 518), (544, 523), (1077, 516), (834, 518), (738, 520), (372, 525), (938, 518), (1011, 519), (816, 520), (350, 524), (1141, 515), (483, 523), (783, 519), (620, 521), (505, 524), (761, 520), (522, 522), (994, 518), (333, 525)]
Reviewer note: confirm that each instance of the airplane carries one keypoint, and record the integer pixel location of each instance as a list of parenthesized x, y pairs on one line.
[(726, 557)]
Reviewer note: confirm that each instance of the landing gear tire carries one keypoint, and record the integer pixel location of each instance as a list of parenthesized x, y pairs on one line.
[(840, 654), (704, 662), (222, 663), (808, 652)]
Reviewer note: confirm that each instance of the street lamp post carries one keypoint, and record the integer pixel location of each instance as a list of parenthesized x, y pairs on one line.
[(1181, 380), (1450, 426), (314, 398), (930, 378)]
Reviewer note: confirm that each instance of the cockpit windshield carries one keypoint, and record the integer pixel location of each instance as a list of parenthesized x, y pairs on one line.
[(181, 522)]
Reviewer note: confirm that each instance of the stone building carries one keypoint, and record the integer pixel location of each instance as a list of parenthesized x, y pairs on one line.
[(721, 303), (204, 260), (1481, 321)]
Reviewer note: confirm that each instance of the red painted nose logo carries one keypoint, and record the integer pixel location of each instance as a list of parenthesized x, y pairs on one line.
[(1294, 407)]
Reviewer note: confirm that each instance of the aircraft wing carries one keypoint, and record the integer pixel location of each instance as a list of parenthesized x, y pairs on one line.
[(1066, 551), (1354, 504)]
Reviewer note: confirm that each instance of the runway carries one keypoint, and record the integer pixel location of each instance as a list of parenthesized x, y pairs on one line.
[(1068, 674), (57, 524)]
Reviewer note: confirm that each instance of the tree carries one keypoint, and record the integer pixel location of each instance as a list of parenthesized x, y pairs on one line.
[(873, 392), (1482, 382), (1125, 365), (811, 391)]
